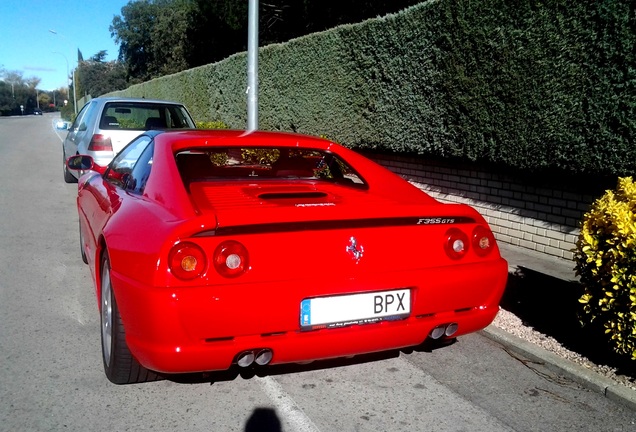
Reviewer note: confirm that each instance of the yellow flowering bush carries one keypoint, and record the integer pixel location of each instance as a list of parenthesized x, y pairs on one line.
[(606, 263)]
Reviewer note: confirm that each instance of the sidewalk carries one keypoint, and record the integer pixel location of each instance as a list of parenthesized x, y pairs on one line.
[(520, 260)]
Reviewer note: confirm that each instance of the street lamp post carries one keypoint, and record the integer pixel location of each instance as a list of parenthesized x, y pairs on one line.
[(73, 78), (252, 66)]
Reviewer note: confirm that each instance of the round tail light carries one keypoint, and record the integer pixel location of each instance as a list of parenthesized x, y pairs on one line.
[(456, 243), (231, 259), (483, 240), (187, 261)]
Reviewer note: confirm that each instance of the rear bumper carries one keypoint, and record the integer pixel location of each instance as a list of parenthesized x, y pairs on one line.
[(298, 347), (193, 330)]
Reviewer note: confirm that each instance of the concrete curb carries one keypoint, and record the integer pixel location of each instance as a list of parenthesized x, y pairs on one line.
[(580, 374)]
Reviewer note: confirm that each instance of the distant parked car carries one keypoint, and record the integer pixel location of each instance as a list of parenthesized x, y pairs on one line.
[(37, 111), (105, 125)]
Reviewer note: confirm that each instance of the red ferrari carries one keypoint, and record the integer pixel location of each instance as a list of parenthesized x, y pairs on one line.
[(210, 249)]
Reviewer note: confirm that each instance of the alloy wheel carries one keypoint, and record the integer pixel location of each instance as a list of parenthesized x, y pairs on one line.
[(107, 315)]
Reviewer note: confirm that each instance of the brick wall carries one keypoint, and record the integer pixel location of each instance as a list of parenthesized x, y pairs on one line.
[(537, 212)]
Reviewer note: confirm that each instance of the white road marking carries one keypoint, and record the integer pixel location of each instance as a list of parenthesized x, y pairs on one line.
[(286, 406)]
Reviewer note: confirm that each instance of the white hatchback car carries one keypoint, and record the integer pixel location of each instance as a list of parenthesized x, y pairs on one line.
[(105, 125)]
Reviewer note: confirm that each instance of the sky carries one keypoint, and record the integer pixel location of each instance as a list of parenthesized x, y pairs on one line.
[(28, 45)]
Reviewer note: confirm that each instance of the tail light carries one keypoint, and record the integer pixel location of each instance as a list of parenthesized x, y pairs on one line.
[(187, 261), (483, 240), (456, 243), (100, 142), (231, 259)]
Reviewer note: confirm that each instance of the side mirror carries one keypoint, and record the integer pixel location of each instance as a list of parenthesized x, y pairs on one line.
[(80, 163)]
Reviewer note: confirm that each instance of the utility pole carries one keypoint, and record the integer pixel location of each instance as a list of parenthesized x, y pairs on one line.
[(252, 66), (73, 79)]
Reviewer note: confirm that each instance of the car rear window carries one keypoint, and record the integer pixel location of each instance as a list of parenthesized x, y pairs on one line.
[(144, 116), (265, 163)]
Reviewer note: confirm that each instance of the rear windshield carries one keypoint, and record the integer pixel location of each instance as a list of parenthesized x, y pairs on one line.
[(265, 164), (144, 116)]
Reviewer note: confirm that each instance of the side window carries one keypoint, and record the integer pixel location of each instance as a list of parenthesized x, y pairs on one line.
[(80, 117), (89, 118), (137, 181), (178, 118), (121, 167)]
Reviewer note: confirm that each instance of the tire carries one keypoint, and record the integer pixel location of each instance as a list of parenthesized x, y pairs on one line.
[(119, 364), (82, 252), (68, 177)]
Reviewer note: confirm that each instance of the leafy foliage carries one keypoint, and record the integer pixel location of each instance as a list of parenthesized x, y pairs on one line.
[(606, 262), (259, 156), (132, 32), (16, 91), (540, 84), (533, 85), (211, 125), (160, 37), (96, 77)]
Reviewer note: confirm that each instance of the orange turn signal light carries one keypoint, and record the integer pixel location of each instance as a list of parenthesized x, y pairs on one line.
[(187, 261)]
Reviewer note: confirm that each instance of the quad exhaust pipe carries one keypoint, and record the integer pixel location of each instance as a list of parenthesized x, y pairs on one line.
[(259, 356), (262, 357), (447, 330)]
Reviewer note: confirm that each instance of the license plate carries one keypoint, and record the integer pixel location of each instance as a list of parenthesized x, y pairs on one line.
[(346, 310)]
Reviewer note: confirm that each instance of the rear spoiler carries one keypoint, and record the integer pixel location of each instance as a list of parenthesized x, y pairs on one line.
[(334, 224)]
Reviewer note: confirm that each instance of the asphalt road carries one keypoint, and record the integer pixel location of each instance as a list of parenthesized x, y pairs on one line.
[(51, 376)]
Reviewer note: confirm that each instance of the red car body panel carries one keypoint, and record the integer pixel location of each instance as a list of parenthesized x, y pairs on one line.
[(298, 249)]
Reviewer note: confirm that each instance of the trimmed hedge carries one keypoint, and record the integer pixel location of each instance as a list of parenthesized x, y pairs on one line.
[(533, 85)]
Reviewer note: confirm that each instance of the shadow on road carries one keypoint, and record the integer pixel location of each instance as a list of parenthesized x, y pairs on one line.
[(550, 306), (263, 420)]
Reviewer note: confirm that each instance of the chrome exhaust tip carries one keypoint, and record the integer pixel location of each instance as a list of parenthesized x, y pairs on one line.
[(451, 329), (245, 359), (264, 357), (446, 330), (437, 332)]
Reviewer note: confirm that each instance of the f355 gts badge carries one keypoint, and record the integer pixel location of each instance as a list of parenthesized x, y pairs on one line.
[(354, 249)]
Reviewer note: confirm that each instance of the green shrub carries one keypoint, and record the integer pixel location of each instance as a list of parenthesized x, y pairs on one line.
[(211, 125), (606, 262), (67, 113), (532, 85)]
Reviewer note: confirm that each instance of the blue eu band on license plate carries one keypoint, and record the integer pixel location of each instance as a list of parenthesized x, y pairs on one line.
[(345, 310)]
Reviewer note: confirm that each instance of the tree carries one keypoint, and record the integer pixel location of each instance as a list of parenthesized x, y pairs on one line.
[(159, 37), (44, 100), (96, 77), (33, 82), (7, 102), (13, 78), (218, 29), (133, 31), (170, 36), (100, 56), (15, 92)]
